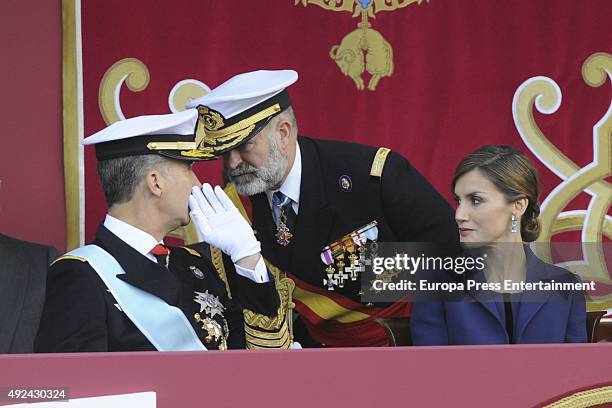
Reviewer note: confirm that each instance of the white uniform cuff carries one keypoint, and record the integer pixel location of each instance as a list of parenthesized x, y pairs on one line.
[(259, 275)]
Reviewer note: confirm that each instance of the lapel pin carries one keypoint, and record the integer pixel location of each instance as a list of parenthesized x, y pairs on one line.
[(345, 183), (197, 272)]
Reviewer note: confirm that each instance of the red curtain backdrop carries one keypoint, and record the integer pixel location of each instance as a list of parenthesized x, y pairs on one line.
[(31, 169), (457, 65)]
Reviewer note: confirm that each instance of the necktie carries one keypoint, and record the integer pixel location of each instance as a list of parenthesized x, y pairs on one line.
[(284, 218), (161, 253)]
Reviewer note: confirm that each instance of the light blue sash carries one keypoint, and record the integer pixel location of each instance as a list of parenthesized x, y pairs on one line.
[(165, 326)]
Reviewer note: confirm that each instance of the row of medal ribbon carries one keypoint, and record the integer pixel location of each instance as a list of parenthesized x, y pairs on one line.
[(336, 252)]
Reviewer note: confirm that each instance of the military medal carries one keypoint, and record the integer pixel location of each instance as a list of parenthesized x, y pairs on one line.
[(355, 268), (340, 277), (330, 282), (337, 250), (209, 304), (283, 235), (350, 244), (369, 231), (214, 331), (197, 272), (326, 256), (387, 276)]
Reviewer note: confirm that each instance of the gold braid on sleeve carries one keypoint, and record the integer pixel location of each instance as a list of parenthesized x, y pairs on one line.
[(264, 332), (261, 331)]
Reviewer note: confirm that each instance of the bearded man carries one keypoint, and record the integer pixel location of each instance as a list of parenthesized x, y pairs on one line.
[(316, 202)]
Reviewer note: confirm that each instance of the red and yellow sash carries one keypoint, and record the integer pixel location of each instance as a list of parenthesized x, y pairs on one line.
[(337, 321), (333, 319)]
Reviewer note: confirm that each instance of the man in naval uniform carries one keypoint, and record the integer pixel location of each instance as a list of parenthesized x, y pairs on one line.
[(315, 204), (128, 291)]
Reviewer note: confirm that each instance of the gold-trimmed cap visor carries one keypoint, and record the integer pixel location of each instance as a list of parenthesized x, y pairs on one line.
[(171, 135), (180, 147), (217, 135)]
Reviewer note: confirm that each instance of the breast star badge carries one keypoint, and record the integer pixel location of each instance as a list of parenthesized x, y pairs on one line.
[(209, 304)]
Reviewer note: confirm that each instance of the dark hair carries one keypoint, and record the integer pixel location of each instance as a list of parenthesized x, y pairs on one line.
[(120, 177), (513, 174)]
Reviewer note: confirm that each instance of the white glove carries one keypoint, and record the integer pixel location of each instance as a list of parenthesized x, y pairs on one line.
[(220, 224)]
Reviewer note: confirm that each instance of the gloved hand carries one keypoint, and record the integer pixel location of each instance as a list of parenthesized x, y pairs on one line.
[(220, 224)]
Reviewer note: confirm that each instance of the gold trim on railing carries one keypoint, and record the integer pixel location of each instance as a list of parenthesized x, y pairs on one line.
[(584, 399)]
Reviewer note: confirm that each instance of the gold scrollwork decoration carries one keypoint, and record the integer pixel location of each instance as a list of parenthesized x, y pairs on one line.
[(129, 70), (330, 5), (363, 49), (356, 7), (593, 397), (545, 95), (184, 91)]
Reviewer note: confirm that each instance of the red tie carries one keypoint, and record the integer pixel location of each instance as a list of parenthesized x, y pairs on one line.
[(160, 250), (161, 253)]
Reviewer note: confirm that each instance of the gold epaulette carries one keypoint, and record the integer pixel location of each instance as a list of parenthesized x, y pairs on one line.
[(192, 251), (265, 332), (76, 258), (378, 164)]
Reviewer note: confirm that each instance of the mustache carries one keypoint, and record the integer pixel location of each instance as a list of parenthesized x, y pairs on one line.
[(242, 169)]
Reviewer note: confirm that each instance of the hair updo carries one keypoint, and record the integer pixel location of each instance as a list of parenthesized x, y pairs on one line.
[(514, 175)]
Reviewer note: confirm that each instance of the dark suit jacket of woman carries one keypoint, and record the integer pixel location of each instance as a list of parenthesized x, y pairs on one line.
[(539, 317)]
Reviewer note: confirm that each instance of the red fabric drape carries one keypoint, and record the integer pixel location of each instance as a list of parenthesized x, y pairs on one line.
[(457, 65)]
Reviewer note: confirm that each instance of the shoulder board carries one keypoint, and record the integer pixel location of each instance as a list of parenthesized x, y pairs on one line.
[(192, 251), (379, 162), (67, 257)]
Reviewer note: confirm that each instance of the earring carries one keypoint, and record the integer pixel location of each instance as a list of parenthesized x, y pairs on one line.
[(513, 225)]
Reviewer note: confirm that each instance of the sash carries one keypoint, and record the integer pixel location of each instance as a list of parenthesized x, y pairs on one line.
[(165, 326), (336, 321), (333, 319)]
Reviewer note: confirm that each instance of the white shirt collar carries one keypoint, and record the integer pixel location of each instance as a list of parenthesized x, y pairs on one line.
[(134, 237), (291, 185)]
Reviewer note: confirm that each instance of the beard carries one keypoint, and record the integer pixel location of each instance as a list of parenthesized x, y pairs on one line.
[(251, 180)]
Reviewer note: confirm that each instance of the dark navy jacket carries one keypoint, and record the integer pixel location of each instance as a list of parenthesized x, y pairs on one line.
[(539, 317)]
